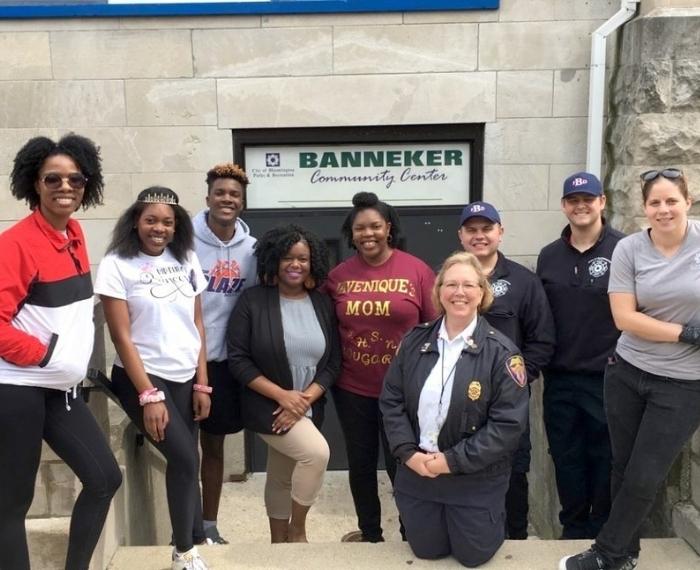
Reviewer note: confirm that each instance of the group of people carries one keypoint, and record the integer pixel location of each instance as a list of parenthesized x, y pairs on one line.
[(216, 331)]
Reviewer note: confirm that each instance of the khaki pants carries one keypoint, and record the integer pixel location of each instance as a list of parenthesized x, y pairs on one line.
[(296, 464)]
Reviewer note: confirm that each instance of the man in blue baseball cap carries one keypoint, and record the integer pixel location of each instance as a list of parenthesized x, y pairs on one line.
[(574, 270), (521, 312)]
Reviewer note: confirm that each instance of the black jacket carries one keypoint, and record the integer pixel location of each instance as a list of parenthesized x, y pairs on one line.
[(576, 284), (488, 408), (255, 341), (520, 311)]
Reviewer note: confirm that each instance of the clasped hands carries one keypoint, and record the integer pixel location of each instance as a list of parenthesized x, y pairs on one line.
[(293, 405), (428, 464)]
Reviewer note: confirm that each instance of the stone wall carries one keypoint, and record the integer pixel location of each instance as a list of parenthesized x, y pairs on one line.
[(654, 121)]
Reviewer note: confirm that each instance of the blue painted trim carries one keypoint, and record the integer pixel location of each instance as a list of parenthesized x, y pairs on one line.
[(272, 7)]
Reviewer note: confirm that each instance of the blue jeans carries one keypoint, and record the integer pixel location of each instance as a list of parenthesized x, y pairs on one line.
[(650, 419)]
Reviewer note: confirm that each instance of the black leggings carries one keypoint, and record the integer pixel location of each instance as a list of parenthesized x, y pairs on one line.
[(28, 415), (179, 449)]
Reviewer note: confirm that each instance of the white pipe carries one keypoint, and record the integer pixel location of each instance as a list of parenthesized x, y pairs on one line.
[(596, 90)]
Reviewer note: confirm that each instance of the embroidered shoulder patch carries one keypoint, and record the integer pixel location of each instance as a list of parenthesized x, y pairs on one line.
[(515, 366)]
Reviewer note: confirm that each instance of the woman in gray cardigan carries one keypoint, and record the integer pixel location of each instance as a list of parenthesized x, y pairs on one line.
[(283, 347)]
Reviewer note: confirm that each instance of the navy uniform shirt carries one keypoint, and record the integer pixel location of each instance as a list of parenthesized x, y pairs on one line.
[(521, 312), (576, 284)]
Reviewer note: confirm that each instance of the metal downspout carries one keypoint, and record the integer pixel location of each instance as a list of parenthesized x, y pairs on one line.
[(596, 91)]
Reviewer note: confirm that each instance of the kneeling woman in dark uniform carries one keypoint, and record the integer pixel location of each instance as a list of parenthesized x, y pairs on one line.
[(454, 405)]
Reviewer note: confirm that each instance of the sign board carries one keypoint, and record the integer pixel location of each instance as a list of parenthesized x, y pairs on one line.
[(313, 176), (106, 8)]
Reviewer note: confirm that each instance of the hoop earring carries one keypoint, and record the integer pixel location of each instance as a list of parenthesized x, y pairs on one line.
[(309, 282), (389, 239)]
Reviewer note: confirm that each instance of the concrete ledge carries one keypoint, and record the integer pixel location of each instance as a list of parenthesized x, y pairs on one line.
[(661, 554), (686, 523)]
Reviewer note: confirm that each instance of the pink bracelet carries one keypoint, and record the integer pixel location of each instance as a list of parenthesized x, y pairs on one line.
[(202, 388), (151, 398), (148, 392)]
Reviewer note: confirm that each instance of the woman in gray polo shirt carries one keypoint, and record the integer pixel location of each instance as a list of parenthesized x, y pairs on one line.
[(652, 384)]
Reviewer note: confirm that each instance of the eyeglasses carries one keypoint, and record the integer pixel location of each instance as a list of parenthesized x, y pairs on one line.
[(670, 173), (54, 181)]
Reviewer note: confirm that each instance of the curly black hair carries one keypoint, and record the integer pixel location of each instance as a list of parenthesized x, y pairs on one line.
[(32, 155), (125, 237), (276, 242), (366, 200)]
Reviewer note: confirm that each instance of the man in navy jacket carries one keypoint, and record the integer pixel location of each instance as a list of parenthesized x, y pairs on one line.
[(520, 311), (574, 270)]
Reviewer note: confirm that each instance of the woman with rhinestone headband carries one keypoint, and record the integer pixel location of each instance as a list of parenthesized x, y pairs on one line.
[(149, 282), (652, 382), (46, 338)]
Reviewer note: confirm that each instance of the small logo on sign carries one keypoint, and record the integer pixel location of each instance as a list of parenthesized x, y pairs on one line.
[(272, 159)]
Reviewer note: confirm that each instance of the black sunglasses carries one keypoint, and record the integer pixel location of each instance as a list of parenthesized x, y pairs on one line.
[(670, 173), (54, 181)]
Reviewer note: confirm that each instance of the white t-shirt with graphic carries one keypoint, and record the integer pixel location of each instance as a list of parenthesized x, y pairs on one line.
[(160, 293)]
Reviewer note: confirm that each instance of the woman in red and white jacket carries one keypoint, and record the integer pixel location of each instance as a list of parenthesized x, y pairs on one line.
[(46, 338)]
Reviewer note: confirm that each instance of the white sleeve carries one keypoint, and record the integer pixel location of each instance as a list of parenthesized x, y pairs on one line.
[(622, 278), (197, 277), (109, 280)]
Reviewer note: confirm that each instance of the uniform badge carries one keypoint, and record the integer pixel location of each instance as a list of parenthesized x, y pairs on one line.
[(425, 347), (474, 390), (515, 366)]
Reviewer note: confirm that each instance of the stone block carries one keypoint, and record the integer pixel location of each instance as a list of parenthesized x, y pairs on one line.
[(58, 24), (643, 88), (346, 19), (557, 174), (71, 104), (25, 56), (11, 140), (450, 17), (357, 100), (685, 85), (524, 94), (516, 187), (11, 209), (121, 54), (534, 45), (519, 11), (171, 102), (234, 456), (190, 22), (40, 503), (669, 37), (535, 141), (62, 486), (98, 234), (670, 138), (48, 541), (519, 237), (686, 523), (117, 197), (277, 51), (405, 49), (570, 93), (587, 10)]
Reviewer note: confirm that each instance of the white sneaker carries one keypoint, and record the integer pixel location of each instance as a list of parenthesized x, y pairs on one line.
[(190, 560)]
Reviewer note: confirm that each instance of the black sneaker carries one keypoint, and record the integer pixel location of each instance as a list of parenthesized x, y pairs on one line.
[(212, 534), (591, 560), (588, 560)]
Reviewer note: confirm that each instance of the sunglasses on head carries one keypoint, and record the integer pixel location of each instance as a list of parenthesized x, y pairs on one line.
[(670, 173), (54, 181)]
